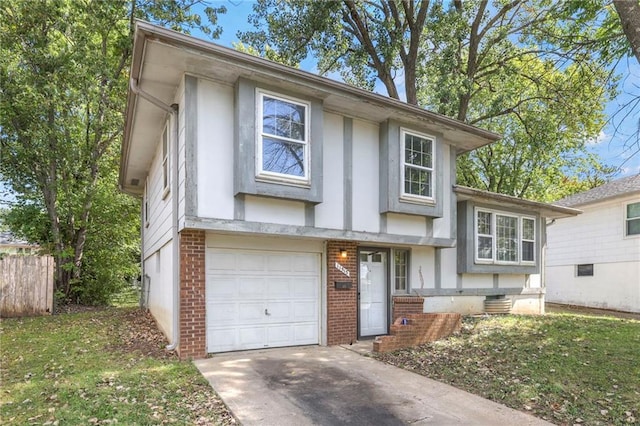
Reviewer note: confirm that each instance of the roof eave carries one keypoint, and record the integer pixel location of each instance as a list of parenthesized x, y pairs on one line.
[(171, 36), (137, 56), (551, 211), (603, 199)]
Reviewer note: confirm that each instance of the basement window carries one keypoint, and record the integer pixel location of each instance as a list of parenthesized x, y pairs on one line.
[(585, 270)]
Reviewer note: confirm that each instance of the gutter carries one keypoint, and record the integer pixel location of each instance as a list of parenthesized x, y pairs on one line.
[(173, 110)]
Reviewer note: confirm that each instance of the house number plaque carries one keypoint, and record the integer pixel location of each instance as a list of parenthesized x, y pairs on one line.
[(342, 269)]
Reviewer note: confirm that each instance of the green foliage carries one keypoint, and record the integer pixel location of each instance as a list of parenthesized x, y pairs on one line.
[(100, 367), (525, 69), (63, 67)]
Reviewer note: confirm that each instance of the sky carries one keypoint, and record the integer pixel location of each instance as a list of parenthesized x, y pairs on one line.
[(616, 143)]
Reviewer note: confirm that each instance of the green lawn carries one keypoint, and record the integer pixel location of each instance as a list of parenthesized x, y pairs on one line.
[(100, 367), (567, 369)]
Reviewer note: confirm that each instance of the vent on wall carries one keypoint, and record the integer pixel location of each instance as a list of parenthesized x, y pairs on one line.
[(497, 305), (135, 182)]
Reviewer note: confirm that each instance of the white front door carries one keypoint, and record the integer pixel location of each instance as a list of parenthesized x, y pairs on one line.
[(373, 293), (261, 299)]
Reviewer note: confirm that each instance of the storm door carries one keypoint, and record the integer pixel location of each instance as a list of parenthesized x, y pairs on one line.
[(373, 292)]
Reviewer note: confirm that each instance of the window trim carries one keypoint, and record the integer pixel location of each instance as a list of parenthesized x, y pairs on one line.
[(269, 176), (494, 243), (394, 289), (145, 205), (627, 220), (414, 197), (523, 240), (165, 165)]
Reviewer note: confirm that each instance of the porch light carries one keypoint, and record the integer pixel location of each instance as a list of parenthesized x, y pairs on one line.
[(343, 253)]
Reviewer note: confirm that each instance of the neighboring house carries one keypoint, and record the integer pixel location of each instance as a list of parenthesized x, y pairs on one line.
[(281, 208), (9, 244), (594, 259)]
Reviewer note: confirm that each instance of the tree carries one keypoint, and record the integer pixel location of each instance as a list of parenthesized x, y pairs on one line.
[(629, 15), (63, 67), (523, 68)]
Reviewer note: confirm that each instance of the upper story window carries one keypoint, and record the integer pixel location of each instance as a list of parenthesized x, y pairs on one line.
[(632, 219), (283, 138), (165, 160), (504, 238), (417, 169)]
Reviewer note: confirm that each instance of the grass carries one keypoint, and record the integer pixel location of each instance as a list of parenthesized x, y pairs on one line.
[(567, 369), (101, 367)]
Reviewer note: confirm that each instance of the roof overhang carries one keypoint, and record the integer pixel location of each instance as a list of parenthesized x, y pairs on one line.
[(607, 199), (550, 211), (162, 57)]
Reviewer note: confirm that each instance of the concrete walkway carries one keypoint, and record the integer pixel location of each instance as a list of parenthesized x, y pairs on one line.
[(335, 386)]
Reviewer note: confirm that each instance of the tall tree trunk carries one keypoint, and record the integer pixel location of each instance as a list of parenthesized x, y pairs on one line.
[(629, 14)]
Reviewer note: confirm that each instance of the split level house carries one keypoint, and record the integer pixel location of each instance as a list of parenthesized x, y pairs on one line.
[(281, 208), (594, 259)]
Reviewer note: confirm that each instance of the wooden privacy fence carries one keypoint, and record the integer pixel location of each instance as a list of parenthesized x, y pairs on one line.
[(26, 285)]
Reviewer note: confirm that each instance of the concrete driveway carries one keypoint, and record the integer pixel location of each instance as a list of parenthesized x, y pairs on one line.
[(335, 386)]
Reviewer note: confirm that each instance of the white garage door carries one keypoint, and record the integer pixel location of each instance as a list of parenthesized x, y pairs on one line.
[(261, 299)]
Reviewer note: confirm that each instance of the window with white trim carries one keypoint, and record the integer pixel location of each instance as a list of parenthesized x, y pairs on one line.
[(504, 238), (528, 241), (145, 211), (283, 138), (165, 160), (418, 179), (401, 271), (632, 219)]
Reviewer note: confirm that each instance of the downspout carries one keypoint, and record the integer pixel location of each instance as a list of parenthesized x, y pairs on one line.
[(142, 235), (543, 261), (173, 110)]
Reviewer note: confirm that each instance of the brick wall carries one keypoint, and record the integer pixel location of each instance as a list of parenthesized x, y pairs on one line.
[(192, 295), (406, 305), (342, 308), (420, 328)]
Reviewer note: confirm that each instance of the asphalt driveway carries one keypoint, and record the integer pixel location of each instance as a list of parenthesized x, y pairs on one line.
[(337, 386)]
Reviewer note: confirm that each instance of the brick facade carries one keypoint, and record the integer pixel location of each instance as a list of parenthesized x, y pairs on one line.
[(404, 306), (420, 328), (342, 304), (192, 295)]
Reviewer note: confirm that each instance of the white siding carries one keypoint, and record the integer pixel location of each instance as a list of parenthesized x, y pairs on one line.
[(329, 213), (612, 286), (449, 267), (181, 156), (158, 267), (404, 224), (366, 177), (477, 281), (598, 233), (422, 264), (511, 281), (594, 237), (215, 150), (271, 210), (158, 231)]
